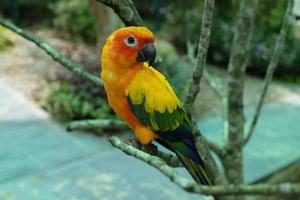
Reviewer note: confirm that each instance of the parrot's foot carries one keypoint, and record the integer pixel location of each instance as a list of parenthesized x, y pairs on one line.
[(149, 148), (134, 142)]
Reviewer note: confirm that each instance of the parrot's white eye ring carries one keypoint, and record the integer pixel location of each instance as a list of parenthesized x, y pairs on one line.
[(131, 41)]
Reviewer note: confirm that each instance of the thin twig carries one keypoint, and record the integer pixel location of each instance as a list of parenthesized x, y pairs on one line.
[(194, 89), (97, 124), (51, 51), (185, 184), (217, 87), (271, 68), (194, 86), (215, 83), (288, 173)]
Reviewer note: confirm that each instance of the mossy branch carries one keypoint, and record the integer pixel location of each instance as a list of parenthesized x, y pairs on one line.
[(51, 51), (271, 67), (189, 186), (118, 125), (170, 158), (97, 124)]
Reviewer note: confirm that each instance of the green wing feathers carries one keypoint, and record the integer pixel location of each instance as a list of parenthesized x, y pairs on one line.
[(153, 101), (156, 120)]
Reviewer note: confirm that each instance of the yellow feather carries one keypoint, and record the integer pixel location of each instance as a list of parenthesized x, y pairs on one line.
[(152, 85)]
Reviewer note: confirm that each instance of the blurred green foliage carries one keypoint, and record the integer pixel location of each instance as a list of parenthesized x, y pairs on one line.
[(74, 18), (67, 104), (5, 40), (71, 18), (27, 12), (179, 22), (183, 27)]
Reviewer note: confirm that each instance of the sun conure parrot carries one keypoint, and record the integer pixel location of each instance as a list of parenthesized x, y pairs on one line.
[(142, 96)]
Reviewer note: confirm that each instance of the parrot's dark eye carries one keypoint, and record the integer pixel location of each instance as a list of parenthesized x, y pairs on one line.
[(130, 41)]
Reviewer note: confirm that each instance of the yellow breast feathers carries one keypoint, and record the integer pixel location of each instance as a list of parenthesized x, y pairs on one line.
[(151, 86)]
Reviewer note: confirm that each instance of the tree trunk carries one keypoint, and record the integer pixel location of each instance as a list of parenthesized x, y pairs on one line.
[(234, 135)]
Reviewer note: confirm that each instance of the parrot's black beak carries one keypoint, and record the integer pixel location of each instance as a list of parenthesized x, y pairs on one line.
[(147, 54)]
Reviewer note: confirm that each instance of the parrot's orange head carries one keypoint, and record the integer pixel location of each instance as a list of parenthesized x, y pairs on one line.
[(129, 45)]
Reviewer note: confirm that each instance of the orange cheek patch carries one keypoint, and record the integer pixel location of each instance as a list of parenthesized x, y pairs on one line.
[(125, 56)]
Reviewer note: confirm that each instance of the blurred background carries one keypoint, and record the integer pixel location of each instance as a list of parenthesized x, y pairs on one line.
[(42, 161)]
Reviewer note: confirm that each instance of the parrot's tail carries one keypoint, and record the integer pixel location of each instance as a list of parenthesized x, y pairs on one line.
[(196, 170), (187, 153)]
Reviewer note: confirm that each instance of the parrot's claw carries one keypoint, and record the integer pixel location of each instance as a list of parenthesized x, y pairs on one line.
[(134, 142), (149, 148)]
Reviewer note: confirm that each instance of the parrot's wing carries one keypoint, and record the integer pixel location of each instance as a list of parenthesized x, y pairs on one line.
[(153, 101)]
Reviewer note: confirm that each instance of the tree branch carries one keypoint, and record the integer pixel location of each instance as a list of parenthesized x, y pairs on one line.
[(118, 125), (215, 83), (288, 173), (271, 68), (51, 51), (233, 162), (170, 158), (97, 124), (189, 186), (126, 10), (194, 86)]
